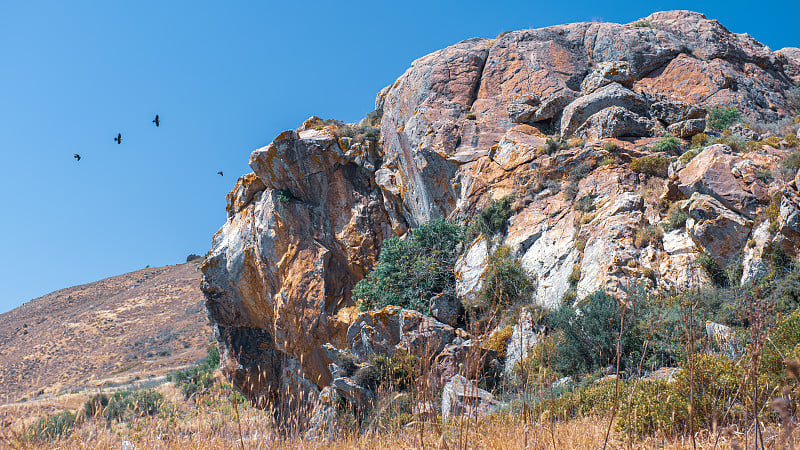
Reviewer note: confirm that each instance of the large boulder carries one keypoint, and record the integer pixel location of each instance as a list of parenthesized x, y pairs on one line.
[(614, 94), (614, 122), (720, 232), (711, 173), (461, 398), (386, 330), (687, 128), (753, 264), (608, 72), (674, 111), (788, 237), (462, 357)]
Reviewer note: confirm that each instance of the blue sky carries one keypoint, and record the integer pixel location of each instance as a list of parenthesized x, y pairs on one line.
[(225, 78)]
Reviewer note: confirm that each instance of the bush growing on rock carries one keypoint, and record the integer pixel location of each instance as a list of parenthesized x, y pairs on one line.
[(589, 339), (699, 140), (669, 144), (649, 235), (651, 165), (676, 218), (492, 219), (409, 272), (723, 117), (505, 281)]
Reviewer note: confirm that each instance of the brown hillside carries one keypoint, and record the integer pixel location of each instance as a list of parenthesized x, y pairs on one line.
[(129, 328)]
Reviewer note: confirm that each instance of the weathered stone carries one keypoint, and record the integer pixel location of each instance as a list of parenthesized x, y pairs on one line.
[(687, 128), (524, 337), (673, 111), (352, 392), (753, 265), (788, 237), (615, 122), (461, 398), (447, 309), (666, 374), (469, 269), (744, 131), (551, 257), (385, 330), (553, 104), (627, 201), (579, 111), (605, 73), (710, 172), (522, 107), (467, 358), (720, 232)]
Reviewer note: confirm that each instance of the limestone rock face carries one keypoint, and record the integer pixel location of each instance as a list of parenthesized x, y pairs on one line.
[(720, 232), (753, 263), (279, 273), (524, 338)]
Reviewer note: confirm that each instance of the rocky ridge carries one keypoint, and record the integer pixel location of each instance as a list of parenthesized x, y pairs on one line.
[(467, 125)]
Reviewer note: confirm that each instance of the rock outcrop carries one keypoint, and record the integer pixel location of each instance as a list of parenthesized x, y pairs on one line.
[(476, 122)]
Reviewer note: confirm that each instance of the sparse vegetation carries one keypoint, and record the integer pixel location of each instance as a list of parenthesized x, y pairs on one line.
[(651, 165), (284, 196), (699, 140), (199, 377), (721, 118), (642, 23), (505, 280), (669, 144), (676, 218)]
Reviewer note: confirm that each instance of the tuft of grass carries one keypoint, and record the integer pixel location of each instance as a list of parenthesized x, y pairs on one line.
[(676, 218), (699, 140)]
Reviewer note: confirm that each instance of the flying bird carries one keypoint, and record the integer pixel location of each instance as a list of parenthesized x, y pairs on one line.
[(118, 139), (77, 156), (156, 121), (220, 173)]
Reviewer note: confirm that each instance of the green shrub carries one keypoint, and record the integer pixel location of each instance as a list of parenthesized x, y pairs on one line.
[(669, 144), (492, 219), (713, 269), (606, 162), (651, 165), (505, 281), (571, 191), (399, 370), (792, 140), (735, 142), (764, 174), (676, 218), (122, 405), (611, 147), (409, 272), (575, 275), (284, 195), (642, 23), (551, 146), (199, 377), (721, 118), (590, 338), (687, 157), (699, 140), (51, 427)]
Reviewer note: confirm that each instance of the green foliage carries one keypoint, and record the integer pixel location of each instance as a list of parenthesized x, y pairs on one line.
[(51, 427), (399, 370), (199, 377), (785, 343), (712, 269), (368, 376), (123, 405), (735, 142), (651, 165), (606, 162), (785, 287), (505, 281), (611, 147), (589, 339), (687, 157), (764, 174), (471, 116), (721, 118), (642, 23), (676, 218), (551, 146), (409, 272), (669, 144), (492, 219), (571, 191), (284, 195)]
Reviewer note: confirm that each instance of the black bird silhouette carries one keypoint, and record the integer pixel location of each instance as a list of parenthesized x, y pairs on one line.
[(220, 173), (155, 121), (118, 139), (77, 156)]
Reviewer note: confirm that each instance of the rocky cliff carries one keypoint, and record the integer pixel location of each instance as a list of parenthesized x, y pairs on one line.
[(479, 121)]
